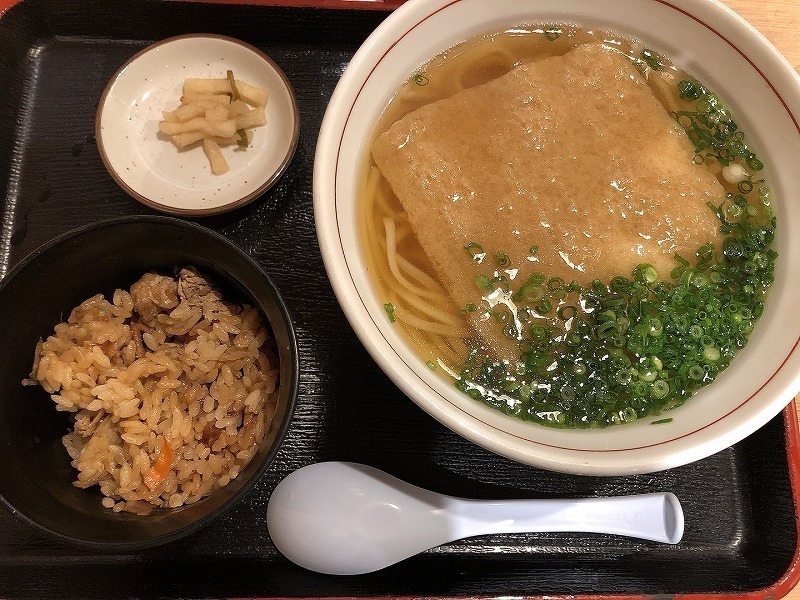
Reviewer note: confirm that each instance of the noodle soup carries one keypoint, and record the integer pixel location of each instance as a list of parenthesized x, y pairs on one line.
[(579, 288)]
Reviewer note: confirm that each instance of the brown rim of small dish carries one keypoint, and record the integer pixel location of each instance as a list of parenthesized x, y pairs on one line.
[(199, 211)]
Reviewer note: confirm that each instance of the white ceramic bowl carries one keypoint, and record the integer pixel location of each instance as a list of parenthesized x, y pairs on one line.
[(708, 40), (150, 168)]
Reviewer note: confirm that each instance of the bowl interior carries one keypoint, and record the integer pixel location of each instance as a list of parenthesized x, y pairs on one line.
[(709, 41), (38, 294)]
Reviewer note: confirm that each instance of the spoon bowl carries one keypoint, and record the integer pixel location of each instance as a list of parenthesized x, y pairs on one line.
[(345, 518)]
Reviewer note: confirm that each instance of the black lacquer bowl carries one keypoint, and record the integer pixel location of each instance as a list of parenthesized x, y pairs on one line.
[(36, 476)]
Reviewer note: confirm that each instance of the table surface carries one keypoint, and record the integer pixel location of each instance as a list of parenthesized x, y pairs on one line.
[(777, 20)]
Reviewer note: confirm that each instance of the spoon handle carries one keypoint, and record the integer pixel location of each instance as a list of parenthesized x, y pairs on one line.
[(657, 517)]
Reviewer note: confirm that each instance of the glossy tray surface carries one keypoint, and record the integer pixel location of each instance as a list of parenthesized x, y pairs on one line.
[(57, 56)]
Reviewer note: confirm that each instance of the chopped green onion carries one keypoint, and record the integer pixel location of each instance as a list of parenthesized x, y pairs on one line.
[(389, 308), (696, 372), (468, 309), (475, 251), (483, 282), (539, 332), (566, 312), (745, 186), (649, 375), (552, 34), (234, 90), (502, 259), (500, 281), (544, 306), (420, 79), (242, 140), (711, 129), (654, 59), (754, 163), (655, 326), (660, 388), (646, 273), (624, 376), (235, 95)]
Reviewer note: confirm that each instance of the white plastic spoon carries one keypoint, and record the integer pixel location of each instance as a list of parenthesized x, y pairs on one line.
[(346, 519)]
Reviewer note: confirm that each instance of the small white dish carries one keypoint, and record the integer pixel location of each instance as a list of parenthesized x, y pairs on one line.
[(150, 168)]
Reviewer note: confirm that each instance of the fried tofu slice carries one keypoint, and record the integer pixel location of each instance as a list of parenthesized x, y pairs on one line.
[(572, 154)]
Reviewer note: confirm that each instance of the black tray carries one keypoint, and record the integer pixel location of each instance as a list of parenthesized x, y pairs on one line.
[(56, 56)]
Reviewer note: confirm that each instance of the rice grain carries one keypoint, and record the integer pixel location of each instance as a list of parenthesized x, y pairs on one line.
[(169, 385)]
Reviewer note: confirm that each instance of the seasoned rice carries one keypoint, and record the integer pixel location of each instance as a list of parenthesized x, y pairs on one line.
[(172, 390)]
